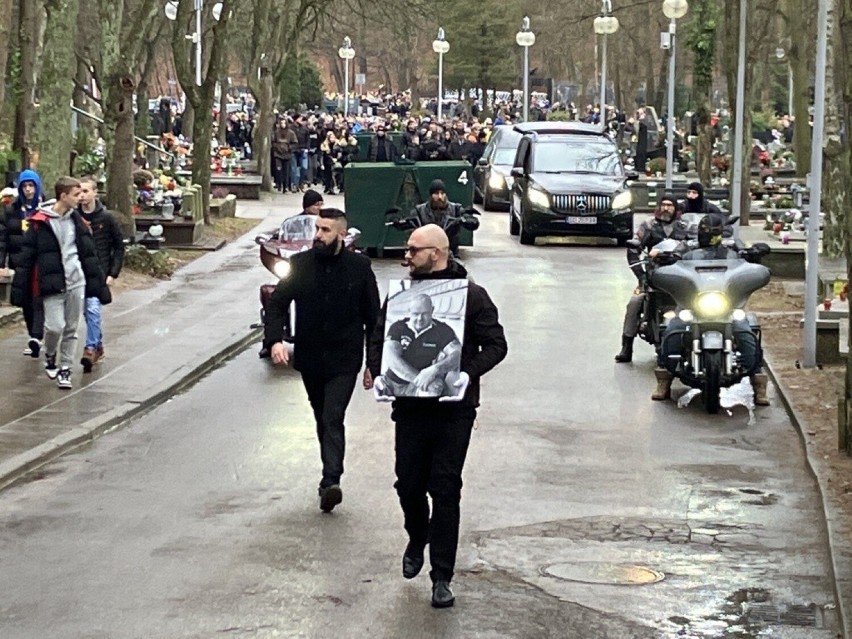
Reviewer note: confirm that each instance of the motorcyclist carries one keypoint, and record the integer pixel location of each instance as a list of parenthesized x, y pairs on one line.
[(711, 247), (666, 224), (439, 210)]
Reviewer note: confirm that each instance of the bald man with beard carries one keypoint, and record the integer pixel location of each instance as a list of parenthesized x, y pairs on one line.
[(432, 434)]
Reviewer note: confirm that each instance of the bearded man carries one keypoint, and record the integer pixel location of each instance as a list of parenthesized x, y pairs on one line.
[(337, 305)]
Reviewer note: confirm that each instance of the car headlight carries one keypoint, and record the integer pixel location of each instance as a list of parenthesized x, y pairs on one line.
[(538, 198), (622, 201), (281, 269), (712, 304), (496, 181), (686, 315)]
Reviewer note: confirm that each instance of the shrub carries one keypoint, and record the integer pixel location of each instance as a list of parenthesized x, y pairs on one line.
[(154, 263), (657, 165)]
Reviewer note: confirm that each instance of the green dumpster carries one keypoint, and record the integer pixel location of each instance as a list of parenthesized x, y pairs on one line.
[(363, 147), (374, 187)]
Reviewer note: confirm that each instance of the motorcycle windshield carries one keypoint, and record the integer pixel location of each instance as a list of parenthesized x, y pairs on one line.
[(298, 228), (735, 278)]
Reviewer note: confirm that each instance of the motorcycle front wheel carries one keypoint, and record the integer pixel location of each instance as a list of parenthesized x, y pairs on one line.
[(712, 361)]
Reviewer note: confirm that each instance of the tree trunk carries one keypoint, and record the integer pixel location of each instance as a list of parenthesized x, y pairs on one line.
[(262, 134), (201, 133), (143, 117), (119, 127), (51, 130), (5, 36), (30, 20), (187, 121), (800, 63), (836, 174), (843, 52)]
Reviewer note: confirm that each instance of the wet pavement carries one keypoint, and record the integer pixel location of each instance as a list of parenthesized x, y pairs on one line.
[(588, 511)]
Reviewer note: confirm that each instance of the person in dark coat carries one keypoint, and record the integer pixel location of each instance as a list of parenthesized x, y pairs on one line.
[(14, 221), (697, 203), (58, 263), (381, 148), (432, 434), (109, 247), (337, 304)]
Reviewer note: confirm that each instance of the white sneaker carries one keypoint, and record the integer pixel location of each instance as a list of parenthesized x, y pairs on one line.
[(63, 378), (50, 366)]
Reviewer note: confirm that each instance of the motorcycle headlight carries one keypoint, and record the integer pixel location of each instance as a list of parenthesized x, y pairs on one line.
[(538, 198), (712, 304), (622, 201), (281, 269), (496, 181), (686, 315), (738, 315)]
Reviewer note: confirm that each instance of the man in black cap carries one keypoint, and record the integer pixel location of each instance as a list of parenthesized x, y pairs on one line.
[(381, 148), (312, 204), (665, 225), (439, 210)]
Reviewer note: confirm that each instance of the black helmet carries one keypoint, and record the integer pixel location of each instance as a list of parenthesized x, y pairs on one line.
[(710, 230)]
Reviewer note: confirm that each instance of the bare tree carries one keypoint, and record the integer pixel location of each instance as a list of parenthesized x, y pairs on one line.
[(201, 97)]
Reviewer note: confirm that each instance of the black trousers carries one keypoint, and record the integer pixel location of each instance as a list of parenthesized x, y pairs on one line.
[(329, 398), (431, 447), (34, 316)]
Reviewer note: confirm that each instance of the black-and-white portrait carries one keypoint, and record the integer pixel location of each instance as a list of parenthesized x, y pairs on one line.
[(424, 331)]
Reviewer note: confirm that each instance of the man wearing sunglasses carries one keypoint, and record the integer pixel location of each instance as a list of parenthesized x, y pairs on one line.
[(337, 304), (432, 434)]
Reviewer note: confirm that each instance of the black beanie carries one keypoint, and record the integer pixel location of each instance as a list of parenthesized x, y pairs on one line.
[(668, 196), (437, 185), (696, 186), (310, 198)]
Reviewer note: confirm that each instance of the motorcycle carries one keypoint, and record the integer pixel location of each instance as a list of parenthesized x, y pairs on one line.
[(452, 224), (710, 295), (296, 234)]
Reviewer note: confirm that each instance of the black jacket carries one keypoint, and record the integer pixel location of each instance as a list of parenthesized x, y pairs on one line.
[(40, 270), (390, 149), (337, 304), (484, 342), (650, 233), (12, 227), (109, 240)]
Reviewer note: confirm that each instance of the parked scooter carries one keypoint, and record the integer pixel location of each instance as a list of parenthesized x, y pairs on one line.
[(710, 296), (296, 234)]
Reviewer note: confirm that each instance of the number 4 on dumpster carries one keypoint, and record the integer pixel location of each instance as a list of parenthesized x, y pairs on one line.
[(463, 178)]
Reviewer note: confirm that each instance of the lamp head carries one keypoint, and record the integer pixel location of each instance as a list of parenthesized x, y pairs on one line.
[(675, 9), (171, 9)]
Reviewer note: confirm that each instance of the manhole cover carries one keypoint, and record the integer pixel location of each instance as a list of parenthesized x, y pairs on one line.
[(593, 572)]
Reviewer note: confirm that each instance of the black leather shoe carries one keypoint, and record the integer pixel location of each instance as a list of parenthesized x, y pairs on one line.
[(412, 561), (442, 596), (330, 496)]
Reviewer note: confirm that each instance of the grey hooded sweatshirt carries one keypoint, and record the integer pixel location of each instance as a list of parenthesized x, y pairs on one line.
[(65, 231)]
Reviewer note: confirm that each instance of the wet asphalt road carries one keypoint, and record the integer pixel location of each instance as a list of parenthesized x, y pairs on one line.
[(200, 519)]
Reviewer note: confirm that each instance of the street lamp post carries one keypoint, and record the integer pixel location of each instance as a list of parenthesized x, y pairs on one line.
[(673, 10), (346, 53), (171, 10), (605, 24), (440, 46), (526, 38)]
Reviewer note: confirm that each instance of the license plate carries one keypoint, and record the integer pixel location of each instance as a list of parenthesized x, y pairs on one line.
[(582, 220)]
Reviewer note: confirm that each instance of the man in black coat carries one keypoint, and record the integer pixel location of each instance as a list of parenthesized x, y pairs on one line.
[(58, 262), (109, 247), (337, 303), (432, 435)]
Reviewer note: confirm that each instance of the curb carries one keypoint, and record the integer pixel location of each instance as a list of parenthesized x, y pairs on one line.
[(798, 422), (10, 317), (18, 466)]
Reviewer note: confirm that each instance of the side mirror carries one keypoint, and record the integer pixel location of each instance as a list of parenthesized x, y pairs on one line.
[(393, 211), (636, 245), (483, 162), (517, 172), (262, 238), (471, 211), (733, 219)]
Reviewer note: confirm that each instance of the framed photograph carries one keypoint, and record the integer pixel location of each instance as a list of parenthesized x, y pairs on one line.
[(424, 333)]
